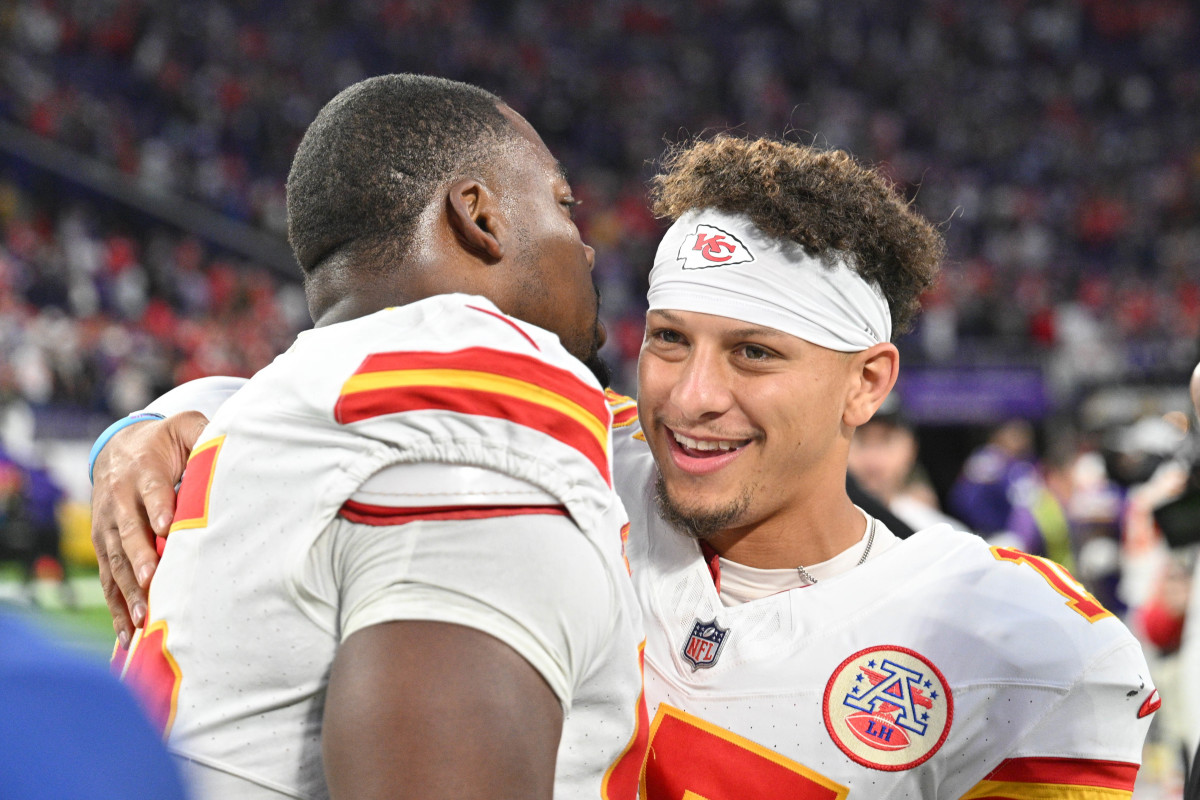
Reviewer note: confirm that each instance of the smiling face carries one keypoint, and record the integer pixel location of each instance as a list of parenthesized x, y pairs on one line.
[(746, 423)]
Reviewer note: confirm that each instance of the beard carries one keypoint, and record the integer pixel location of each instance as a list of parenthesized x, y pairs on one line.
[(700, 525), (597, 366)]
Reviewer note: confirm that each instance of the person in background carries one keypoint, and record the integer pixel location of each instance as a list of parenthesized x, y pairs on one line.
[(992, 476), (13, 536), (883, 458), (43, 496), (395, 567), (1039, 522)]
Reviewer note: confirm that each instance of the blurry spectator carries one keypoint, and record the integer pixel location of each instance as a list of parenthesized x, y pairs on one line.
[(71, 730), (12, 500), (1095, 515), (29, 504), (992, 478), (883, 458), (1142, 456), (43, 496), (1040, 518), (1161, 618)]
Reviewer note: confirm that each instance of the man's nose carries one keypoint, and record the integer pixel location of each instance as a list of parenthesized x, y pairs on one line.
[(703, 389)]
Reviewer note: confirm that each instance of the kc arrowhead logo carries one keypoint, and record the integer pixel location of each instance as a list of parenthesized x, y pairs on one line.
[(708, 246)]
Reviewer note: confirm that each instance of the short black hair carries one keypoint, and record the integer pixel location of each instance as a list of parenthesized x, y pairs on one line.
[(370, 162)]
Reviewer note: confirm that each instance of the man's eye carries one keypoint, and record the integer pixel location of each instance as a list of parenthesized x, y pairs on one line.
[(666, 336), (753, 352), (571, 205)]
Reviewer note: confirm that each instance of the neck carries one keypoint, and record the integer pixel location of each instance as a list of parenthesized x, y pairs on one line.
[(338, 293), (812, 529), (348, 308)]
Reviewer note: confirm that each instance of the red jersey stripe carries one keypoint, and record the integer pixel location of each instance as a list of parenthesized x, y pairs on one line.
[(366, 404), (498, 362), (1067, 771), (625, 417), (616, 399), (1150, 705), (366, 514)]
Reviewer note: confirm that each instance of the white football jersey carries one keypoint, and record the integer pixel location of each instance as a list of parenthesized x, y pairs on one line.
[(939, 668), (439, 461)]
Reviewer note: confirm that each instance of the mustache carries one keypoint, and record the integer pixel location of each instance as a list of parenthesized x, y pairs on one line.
[(683, 425)]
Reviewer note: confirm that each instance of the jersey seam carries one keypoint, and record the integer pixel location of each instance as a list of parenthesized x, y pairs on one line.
[(533, 490), (229, 770)]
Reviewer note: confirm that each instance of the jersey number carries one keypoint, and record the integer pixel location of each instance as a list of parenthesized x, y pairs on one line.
[(1078, 599), (691, 759)]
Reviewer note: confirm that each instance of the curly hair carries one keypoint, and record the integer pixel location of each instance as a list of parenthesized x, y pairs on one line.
[(820, 199)]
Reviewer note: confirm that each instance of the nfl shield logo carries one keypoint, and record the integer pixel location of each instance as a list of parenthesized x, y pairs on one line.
[(704, 644)]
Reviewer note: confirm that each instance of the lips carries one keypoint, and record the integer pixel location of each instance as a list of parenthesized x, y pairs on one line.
[(698, 456)]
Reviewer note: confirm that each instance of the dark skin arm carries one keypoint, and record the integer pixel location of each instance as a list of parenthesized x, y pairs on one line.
[(429, 710), (133, 499)]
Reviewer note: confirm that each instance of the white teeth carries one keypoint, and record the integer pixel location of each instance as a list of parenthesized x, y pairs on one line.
[(696, 444)]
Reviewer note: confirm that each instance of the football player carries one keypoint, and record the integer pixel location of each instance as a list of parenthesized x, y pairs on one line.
[(796, 647), (792, 640), (395, 567)]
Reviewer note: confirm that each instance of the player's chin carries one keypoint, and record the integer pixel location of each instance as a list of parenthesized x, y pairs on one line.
[(700, 514)]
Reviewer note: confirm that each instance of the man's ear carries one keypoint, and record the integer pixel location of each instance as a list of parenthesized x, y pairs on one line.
[(874, 374), (473, 214)]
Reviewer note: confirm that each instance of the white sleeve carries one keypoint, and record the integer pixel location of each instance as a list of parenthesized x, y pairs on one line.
[(1105, 716), (205, 395), (533, 581)]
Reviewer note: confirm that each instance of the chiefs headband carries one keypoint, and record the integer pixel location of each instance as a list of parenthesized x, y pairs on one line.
[(712, 262)]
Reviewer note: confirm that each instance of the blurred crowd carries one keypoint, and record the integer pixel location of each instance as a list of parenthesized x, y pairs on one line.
[(1057, 142), (103, 320)]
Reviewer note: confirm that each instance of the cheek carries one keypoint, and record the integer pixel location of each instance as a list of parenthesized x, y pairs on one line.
[(798, 416), (653, 383)]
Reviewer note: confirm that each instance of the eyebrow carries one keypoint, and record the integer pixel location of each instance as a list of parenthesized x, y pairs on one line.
[(754, 332), (562, 171), (750, 331)]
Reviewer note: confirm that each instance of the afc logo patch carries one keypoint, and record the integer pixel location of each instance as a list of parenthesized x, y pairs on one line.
[(708, 246), (888, 708), (703, 646)]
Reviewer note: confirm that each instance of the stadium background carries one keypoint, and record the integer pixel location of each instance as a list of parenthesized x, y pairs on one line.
[(144, 146)]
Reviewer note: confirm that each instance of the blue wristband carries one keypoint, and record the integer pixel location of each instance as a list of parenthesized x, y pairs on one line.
[(111, 431)]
